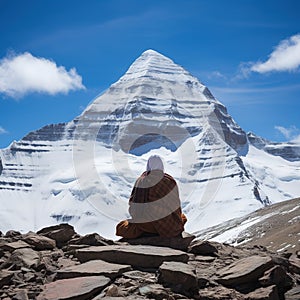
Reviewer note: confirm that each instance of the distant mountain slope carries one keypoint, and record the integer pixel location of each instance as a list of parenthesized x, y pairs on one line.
[(276, 227)]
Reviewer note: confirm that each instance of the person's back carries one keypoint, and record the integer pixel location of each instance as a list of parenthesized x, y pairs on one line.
[(154, 205)]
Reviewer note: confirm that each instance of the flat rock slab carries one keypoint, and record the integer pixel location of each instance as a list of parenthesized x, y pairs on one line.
[(139, 256), (80, 288), (15, 245), (245, 270), (179, 243), (93, 268), (177, 273)]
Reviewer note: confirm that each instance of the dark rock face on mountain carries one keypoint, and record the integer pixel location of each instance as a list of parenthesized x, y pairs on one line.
[(57, 263), (289, 151)]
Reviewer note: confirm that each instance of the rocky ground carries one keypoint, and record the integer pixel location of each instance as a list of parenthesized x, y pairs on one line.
[(56, 263)]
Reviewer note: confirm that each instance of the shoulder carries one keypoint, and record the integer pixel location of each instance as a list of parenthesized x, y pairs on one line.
[(169, 178)]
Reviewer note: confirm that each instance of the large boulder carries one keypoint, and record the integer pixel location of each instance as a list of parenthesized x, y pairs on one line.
[(139, 256)]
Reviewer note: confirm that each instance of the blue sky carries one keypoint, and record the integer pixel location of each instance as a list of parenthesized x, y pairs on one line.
[(57, 56)]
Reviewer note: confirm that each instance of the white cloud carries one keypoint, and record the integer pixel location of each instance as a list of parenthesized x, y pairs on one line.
[(285, 57), (24, 73), (292, 133), (2, 130), (296, 139)]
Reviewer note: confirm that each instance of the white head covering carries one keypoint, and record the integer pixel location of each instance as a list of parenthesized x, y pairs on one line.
[(155, 163)]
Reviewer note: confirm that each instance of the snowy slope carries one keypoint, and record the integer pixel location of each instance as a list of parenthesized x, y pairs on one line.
[(82, 172)]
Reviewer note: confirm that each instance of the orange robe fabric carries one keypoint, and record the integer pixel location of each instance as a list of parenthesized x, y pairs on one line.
[(154, 206)]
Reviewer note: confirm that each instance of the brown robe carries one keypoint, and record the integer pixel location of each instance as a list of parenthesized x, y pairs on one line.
[(154, 206)]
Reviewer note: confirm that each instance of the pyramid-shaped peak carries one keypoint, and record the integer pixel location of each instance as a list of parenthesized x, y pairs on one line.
[(152, 53), (152, 64)]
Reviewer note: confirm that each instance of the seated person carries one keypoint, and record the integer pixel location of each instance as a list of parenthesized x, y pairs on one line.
[(154, 205)]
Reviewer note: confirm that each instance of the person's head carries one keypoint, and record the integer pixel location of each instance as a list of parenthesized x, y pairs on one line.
[(155, 163)]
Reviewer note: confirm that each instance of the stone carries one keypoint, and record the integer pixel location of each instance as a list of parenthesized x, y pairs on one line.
[(25, 257), (178, 274), (61, 233), (277, 276), (39, 242), (79, 288), (93, 268), (203, 248), (139, 256), (180, 243), (93, 239), (140, 276), (5, 277), (244, 271), (293, 294), (21, 295), (294, 261), (155, 291), (15, 245), (219, 293), (12, 233), (113, 291), (266, 293)]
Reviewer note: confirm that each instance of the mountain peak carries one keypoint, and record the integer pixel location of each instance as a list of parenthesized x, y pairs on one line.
[(157, 66)]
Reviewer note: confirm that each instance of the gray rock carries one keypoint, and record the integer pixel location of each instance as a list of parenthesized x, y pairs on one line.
[(93, 268), (277, 276), (180, 243), (5, 277), (12, 233), (139, 256), (25, 257), (39, 242), (244, 271), (293, 294), (295, 263), (266, 293), (93, 239), (61, 233), (21, 295), (203, 248), (178, 274), (154, 291), (220, 293), (80, 288), (15, 245)]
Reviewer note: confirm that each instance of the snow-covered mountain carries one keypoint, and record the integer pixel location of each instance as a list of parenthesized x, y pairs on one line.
[(82, 172)]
